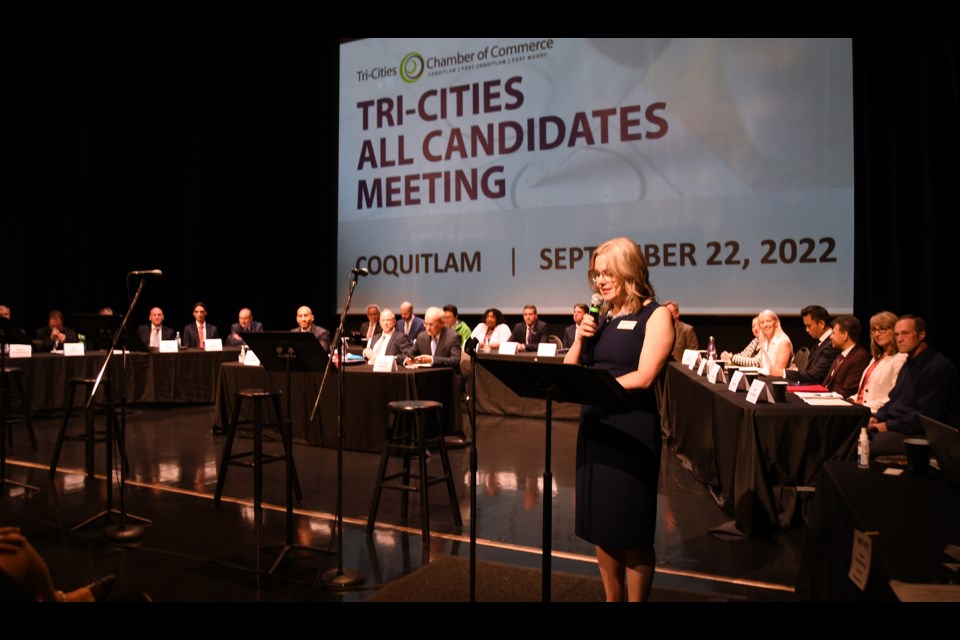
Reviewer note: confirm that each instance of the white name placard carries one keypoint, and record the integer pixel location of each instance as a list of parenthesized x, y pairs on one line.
[(21, 351), (508, 348), (213, 344), (546, 349), (73, 348), (385, 364), (757, 389), (168, 346)]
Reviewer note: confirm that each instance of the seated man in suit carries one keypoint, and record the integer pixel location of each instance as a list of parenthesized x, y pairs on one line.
[(305, 325), (389, 342), (570, 333), (685, 336), (531, 331), (928, 384), (437, 345), (371, 328), (816, 320), (245, 324), (196, 334), (152, 333), (409, 324), (54, 335), (844, 375)]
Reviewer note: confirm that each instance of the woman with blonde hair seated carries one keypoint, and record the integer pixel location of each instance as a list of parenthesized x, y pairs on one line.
[(881, 374), (776, 350)]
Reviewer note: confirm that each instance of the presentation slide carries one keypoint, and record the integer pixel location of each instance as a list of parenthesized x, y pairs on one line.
[(483, 172)]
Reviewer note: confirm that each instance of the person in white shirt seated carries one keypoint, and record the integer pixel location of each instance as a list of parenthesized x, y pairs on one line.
[(492, 331), (881, 374), (389, 342), (776, 349)]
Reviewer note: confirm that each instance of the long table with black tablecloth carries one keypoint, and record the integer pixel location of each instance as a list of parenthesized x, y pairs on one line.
[(754, 456), (189, 376), (495, 398), (910, 519), (366, 394)]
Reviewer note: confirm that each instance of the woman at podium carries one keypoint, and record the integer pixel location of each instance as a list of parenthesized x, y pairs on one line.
[(618, 455)]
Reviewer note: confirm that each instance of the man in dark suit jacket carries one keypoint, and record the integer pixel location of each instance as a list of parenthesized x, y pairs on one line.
[(816, 320), (192, 332), (844, 374), (407, 319), (570, 333), (373, 322), (305, 325), (531, 331), (245, 324), (145, 331), (447, 351), (54, 335), (389, 342)]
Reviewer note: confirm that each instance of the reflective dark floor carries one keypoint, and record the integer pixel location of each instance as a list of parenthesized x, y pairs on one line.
[(193, 551)]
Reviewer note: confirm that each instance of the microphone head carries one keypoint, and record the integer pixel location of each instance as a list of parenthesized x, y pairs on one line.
[(360, 271), (595, 301)]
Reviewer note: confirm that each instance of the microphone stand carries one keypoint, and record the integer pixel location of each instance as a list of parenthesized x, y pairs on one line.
[(471, 347), (122, 532), (3, 416), (339, 578)]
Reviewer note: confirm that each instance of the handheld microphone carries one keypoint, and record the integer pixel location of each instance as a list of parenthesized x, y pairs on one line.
[(360, 271), (595, 301), (156, 273)]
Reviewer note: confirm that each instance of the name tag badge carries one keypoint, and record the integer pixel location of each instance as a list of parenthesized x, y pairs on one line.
[(627, 325)]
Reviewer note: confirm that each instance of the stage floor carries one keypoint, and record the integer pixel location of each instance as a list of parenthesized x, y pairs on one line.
[(193, 551)]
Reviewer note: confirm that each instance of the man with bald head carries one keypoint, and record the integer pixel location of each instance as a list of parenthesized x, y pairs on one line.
[(305, 325), (409, 324), (151, 334), (245, 324), (437, 345)]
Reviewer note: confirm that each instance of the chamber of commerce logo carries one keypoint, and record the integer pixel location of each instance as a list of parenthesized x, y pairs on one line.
[(411, 67)]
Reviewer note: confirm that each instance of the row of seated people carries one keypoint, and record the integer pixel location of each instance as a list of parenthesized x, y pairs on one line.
[(899, 378)]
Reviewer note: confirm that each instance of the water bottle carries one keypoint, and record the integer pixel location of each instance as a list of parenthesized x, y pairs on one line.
[(178, 341), (863, 449), (711, 349), (243, 353)]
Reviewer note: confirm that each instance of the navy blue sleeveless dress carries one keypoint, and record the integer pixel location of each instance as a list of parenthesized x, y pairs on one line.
[(618, 456)]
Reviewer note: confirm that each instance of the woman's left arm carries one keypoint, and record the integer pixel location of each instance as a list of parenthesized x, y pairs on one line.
[(657, 347)]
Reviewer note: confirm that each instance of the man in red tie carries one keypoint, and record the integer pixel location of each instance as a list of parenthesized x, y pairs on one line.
[(845, 372), (197, 333), (531, 332)]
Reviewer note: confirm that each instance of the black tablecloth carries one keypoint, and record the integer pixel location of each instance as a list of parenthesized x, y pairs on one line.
[(189, 376), (754, 456), (913, 517), (366, 396)]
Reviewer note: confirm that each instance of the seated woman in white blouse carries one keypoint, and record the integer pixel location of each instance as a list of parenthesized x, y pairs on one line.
[(881, 374), (776, 350), (750, 356), (492, 331)]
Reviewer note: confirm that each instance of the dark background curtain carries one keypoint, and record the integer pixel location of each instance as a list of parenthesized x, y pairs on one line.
[(215, 161)]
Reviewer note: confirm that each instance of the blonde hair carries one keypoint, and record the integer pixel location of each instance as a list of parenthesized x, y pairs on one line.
[(885, 320), (626, 263)]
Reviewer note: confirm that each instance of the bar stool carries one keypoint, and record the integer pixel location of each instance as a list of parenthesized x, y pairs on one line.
[(13, 388), (90, 435), (243, 459), (409, 434)]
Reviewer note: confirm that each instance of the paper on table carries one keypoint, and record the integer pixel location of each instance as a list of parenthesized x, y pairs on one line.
[(908, 592), (826, 402), (816, 394)]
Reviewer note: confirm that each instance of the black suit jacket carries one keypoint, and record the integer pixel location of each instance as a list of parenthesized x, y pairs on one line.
[(818, 364), (448, 348), (255, 327), (569, 336), (191, 338), (43, 342), (166, 333), (398, 345), (540, 334), (376, 332), (846, 379)]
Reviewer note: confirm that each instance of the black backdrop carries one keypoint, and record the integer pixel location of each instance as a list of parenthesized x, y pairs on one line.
[(215, 161)]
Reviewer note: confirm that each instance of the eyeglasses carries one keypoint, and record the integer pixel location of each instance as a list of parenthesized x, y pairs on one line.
[(597, 275), (880, 329)]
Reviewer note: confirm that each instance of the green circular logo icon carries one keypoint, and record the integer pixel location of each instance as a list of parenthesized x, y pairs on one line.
[(411, 67)]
